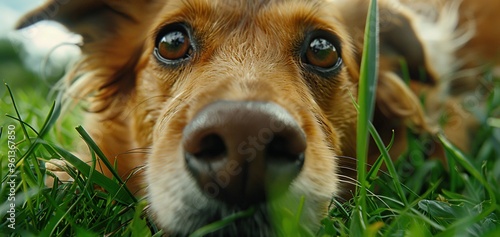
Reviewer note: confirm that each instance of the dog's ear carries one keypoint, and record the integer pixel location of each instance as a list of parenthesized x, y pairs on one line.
[(403, 63), (399, 89), (404, 67), (402, 48), (94, 19), (405, 72), (113, 32), (68, 13)]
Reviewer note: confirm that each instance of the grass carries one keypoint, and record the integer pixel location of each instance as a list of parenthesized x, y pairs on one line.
[(64, 210), (414, 197), (365, 106)]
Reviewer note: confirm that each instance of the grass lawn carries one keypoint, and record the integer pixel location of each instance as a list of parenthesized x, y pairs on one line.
[(414, 197)]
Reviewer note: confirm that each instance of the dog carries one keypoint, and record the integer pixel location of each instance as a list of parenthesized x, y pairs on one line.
[(250, 103)]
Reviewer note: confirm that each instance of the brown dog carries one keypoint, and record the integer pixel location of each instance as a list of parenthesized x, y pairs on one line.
[(244, 103)]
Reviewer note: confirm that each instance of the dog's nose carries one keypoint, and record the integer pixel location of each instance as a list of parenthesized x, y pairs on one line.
[(244, 152)]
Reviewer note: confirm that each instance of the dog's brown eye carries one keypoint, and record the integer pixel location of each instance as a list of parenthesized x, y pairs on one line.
[(174, 45), (322, 53)]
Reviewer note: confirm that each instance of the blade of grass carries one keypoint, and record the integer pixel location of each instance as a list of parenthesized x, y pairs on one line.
[(373, 172), (16, 109), (409, 209), (220, 224), (90, 142), (49, 122), (138, 226), (106, 183), (389, 164), (491, 205), (51, 119), (59, 215), (366, 98)]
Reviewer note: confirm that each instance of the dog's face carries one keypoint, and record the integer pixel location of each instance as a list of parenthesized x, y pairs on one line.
[(242, 103), (251, 103)]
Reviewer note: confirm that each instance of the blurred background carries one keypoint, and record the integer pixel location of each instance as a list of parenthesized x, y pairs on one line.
[(32, 61), (38, 54)]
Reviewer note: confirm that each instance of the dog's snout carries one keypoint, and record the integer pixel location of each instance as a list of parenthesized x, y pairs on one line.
[(244, 152)]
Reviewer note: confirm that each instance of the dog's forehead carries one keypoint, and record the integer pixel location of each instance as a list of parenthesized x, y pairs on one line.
[(247, 14), (249, 6)]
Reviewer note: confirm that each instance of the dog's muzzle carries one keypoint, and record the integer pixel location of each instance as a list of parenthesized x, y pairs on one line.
[(244, 152)]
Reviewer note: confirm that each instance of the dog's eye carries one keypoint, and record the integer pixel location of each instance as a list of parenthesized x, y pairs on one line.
[(322, 53), (173, 46)]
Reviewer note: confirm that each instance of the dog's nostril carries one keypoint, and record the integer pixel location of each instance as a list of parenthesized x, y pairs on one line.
[(204, 154), (279, 149), (211, 147)]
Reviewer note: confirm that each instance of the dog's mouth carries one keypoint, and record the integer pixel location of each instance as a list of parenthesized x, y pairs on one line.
[(264, 219), (254, 221)]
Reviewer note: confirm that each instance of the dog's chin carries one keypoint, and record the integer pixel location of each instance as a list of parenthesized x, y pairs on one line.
[(264, 219), (256, 221)]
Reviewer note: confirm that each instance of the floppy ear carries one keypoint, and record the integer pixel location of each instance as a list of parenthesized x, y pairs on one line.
[(400, 44), (399, 91), (404, 68), (113, 33), (96, 19), (396, 101)]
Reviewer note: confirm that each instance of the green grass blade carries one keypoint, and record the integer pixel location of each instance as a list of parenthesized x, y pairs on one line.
[(390, 165), (138, 226), (220, 224), (51, 119), (16, 109), (90, 142), (106, 183), (366, 98), (373, 172), (490, 205)]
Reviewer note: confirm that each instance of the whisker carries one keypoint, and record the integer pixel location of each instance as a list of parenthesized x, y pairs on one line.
[(352, 181), (347, 158), (136, 107), (165, 97), (353, 168), (348, 168), (346, 179), (146, 151), (143, 150)]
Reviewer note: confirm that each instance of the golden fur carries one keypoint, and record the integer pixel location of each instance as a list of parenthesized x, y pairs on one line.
[(244, 51)]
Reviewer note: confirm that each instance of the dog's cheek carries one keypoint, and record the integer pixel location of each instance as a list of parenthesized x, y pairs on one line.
[(318, 180), (150, 100), (173, 194), (335, 97), (144, 119)]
